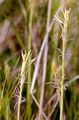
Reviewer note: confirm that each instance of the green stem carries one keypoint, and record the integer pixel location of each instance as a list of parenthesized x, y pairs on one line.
[(19, 102), (62, 84), (64, 40), (29, 71)]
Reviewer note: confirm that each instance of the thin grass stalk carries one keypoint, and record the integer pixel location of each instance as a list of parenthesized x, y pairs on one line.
[(41, 51), (24, 68), (19, 102), (29, 70), (22, 77), (45, 62), (62, 85), (64, 40)]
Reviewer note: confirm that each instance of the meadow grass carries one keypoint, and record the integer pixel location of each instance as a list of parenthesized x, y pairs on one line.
[(39, 63)]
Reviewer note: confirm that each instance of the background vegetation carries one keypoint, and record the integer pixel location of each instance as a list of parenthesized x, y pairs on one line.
[(35, 67)]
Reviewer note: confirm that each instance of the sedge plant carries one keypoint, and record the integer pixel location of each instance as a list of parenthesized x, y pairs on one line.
[(64, 24), (24, 69), (64, 40)]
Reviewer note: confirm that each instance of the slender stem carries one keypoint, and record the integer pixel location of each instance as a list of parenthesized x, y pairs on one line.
[(25, 58), (50, 100), (44, 62), (53, 109), (19, 102), (29, 70), (64, 39), (62, 85), (41, 51), (35, 100), (38, 62)]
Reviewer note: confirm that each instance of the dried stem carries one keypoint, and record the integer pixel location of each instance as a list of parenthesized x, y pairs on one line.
[(50, 100), (44, 45), (45, 62), (53, 108), (39, 107), (41, 51)]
